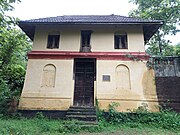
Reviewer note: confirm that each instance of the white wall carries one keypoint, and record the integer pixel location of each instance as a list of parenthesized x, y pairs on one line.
[(102, 38), (35, 96)]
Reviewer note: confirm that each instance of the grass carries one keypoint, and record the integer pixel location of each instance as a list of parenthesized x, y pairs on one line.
[(137, 122), (44, 126)]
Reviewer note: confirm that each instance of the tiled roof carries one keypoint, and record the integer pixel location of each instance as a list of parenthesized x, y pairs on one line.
[(90, 19), (149, 26)]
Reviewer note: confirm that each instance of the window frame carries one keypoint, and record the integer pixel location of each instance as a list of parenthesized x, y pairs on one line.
[(85, 45), (120, 41), (86, 38), (53, 41)]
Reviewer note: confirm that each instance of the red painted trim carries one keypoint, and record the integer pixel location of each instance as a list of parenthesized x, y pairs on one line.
[(97, 55)]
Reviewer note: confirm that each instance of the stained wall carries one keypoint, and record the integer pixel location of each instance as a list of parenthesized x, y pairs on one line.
[(167, 79), (49, 83)]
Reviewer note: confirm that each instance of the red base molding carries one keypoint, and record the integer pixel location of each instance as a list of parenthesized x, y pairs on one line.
[(128, 56)]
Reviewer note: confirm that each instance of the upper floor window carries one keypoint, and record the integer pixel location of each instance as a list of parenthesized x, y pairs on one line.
[(85, 40), (120, 41), (53, 41)]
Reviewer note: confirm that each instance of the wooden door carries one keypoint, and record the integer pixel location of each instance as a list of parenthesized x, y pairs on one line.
[(84, 82)]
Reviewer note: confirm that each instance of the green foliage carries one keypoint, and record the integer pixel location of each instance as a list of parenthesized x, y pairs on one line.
[(143, 108), (132, 57), (39, 115), (168, 50), (131, 123), (166, 10), (141, 116), (177, 49), (71, 126), (100, 116), (6, 5), (112, 112), (14, 46), (4, 96)]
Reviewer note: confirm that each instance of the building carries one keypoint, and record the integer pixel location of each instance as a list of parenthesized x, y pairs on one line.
[(81, 60)]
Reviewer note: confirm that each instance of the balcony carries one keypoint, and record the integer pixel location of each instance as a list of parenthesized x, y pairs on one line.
[(85, 48)]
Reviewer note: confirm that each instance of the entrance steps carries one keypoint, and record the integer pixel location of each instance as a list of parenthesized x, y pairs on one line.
[(81, 113)]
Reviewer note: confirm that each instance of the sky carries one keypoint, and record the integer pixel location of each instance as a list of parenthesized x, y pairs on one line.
[(29, 9), (32, 9)]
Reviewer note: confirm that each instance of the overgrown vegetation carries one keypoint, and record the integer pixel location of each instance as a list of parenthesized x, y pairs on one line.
[(46, 126), (141, 117), (139, 121), (14, 45)]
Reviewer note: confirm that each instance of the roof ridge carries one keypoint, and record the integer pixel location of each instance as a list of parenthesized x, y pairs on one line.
[(91, 18)]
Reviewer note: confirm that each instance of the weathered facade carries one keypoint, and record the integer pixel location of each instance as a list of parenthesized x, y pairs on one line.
[(167, 77), (78, 60)]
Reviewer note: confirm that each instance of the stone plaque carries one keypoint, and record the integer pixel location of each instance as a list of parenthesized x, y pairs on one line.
[(106, 78)]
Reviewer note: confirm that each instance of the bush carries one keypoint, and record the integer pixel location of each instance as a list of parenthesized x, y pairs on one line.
[(8, 99), (165, 119), (14, 46)]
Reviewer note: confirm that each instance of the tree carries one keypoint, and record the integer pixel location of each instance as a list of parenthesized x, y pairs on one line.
[(6, 5), (177, 49), (166, 10), (14, 45)]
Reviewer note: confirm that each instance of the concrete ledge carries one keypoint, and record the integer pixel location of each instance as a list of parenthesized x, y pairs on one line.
[(44, 104)]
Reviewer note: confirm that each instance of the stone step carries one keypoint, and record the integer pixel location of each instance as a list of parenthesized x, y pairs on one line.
[(81, 112), (82, 108), (82, 117)]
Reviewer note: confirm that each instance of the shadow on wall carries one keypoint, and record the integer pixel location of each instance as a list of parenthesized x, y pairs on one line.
[(167, 72)]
